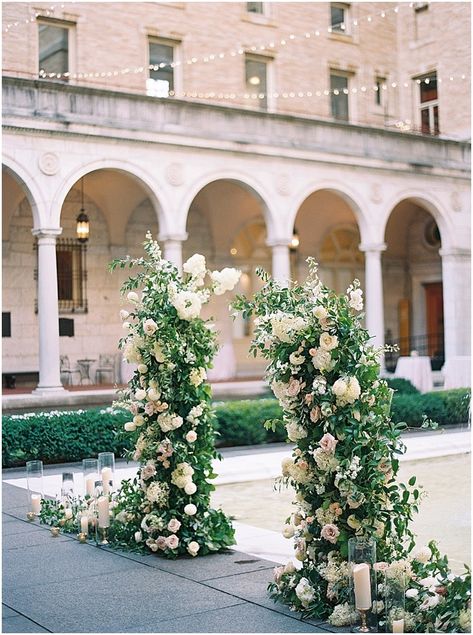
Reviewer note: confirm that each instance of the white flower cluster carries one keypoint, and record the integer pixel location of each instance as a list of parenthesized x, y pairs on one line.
[(158, 493), (169, 421), (188, 304), (225, 280), (305, 592), (195, 412), (346, 390), (182, 477), (197, 376), (343, 615), (285, 327)]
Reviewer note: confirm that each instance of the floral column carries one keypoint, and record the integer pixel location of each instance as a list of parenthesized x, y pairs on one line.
[(48, 314)]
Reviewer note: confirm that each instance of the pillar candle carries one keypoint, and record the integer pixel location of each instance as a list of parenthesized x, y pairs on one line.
[(107, 476), (398, 626), (89, 485), (36, 503), (68, 513), (84, 524), (104, 511), (361, 580)]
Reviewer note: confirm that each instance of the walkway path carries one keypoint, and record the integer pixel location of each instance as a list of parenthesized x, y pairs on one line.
[(58, 585)]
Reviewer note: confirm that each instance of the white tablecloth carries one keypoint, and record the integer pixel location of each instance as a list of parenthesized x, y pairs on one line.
[(417, 370)]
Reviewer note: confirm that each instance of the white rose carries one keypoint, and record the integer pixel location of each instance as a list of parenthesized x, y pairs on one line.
[(412, 593), (133, 297), (124, 314), (191, 436), (339, 388), (288, 531), (138, 536), (190, 509), (356, 299), (138, 420), (193, 548), (140, 394), (149, 326), (68, 513), (130, 426), (190, 488), (423, 554), (196, 266), (225, 280), (328, 342), (142, 368), (428, 582), (126, 326), (289, 568), (154, 394)]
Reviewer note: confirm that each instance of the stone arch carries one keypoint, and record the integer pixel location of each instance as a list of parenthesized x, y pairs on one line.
[(146, 181), (33, 194), (243, 180), (352, 198)]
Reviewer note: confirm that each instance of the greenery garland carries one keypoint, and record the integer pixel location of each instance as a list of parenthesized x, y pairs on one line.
[(325, 374)]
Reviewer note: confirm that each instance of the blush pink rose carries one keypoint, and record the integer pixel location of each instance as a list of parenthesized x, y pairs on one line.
[(172, 542), (328, 443), (174, 525), (161, 542), (309, 398), (315, 414), (330, 533), (277, 573), (294, 388), (149, 408)]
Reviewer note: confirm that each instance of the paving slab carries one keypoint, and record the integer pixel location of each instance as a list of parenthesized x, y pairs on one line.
[(39, 565), (129, 601), (243, 618), (21, 624), (27, 539), (7, 611), (13, 525), (13, 498)]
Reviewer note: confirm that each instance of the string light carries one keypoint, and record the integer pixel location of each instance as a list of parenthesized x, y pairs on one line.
[(34, 16)]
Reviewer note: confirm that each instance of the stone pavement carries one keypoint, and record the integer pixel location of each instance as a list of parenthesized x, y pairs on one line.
[(58, 585)]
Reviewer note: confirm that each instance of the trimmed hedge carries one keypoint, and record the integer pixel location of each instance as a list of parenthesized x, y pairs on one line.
[(58, 437), (401, 386)]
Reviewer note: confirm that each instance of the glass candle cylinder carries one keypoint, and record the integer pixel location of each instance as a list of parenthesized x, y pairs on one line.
[(107, 470), (34, 479), (90, 467), (67, 486), (363, 587), (394, 599), (103, 519), (83, 525)]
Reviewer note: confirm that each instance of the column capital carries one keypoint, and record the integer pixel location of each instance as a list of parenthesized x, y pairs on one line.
[(455, 252), (279, 242), (372, 247), (177, 237), (47, 232)]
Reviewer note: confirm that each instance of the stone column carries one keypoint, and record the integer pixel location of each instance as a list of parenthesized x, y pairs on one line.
[(173, 249), (374, 301), (456, 274), (281, 269), (48, 312)]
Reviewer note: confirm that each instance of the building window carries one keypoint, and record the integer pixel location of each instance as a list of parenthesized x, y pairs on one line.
[(420, 6), (256, 72), (6, 324), (53, 47), (161, 75), (378, 93), (429, 109), (339, 96), (255, 7), (339, 16)]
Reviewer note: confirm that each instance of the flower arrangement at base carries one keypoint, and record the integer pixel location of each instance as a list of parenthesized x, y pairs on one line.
[(325, 374), (167, 506)]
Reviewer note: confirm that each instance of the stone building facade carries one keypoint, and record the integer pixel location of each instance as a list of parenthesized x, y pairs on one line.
[(226, 128)]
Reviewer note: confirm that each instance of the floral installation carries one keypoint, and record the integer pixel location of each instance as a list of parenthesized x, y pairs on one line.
[(325, 374), (166, 508)]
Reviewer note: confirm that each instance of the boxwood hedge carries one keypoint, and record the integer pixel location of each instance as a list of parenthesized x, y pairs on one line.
[(67, 436)]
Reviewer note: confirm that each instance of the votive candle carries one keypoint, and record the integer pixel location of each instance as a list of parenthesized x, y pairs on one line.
[(103, 507), (84, 524), (89, 485), (361, 580), (107, 476), (36, 503), (398, 626)]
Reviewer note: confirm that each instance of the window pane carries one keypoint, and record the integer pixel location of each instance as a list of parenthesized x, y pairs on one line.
[(378, 94), (254, 7), (255, 75), (424, 121), (337, 15), (428, 92), (162, 54), (53, 48), (436, 120), (339, 103), (64, 275)]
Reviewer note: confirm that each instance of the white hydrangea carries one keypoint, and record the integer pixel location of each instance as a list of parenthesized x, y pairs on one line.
[(169, 421), (197, 376), (286, 327), (305, 592), (423, 554), (346, 390), (225, 280), (196, 267), (187, 304), (295, 431), (343, 615), (321, 359), (356, 299)]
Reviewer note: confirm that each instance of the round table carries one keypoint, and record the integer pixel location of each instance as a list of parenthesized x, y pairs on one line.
[(417, 370)]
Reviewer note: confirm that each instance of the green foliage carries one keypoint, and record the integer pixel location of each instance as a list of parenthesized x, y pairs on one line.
[(69, 436), (401, 386)]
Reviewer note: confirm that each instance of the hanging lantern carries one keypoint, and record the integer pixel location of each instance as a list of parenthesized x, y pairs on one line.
[(82, 221)]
